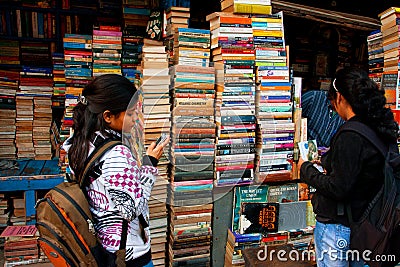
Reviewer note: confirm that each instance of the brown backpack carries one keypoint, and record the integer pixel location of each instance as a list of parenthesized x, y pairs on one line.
[(64, 221)]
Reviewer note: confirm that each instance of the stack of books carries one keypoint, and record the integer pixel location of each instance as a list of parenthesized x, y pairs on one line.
[(35, 54), (107, 49), (274, 106), (175, 14), (236, 244), (4, 210), (156, 108), (192, 156), (375, 56), (78, 73), (9, 81), (34, 115), (192, 47), (177, 17), (390, 38), (18, 211), (9, 53), (391, 43), (132, 42), (233, 56), (136, 12), (59, 81), (247, 6), (20, 247)]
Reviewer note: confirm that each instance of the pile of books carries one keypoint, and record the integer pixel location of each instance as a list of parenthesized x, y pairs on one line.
[(4, 210), (390, 20), (375, 56), (18, 211), (20, 247), (9, 81), (247, 6), (390, 38), (34, 114), (9, 53), (107, 49), (274, 106), (58, 99), (35, 54), (233, 56), (132, 43), (192, 156), (177, 17), (78, 58), (192, 47), (156, 114), (136, 13)]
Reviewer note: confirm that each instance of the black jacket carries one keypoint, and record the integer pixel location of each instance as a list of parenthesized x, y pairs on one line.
[(354, 174)]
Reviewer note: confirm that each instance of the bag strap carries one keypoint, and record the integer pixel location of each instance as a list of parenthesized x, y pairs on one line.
[(99, 151), (124, 235), (96, 154)]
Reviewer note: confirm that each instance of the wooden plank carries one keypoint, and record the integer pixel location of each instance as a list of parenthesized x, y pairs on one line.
[(14, 172), (50, 167), (38, 182), (34, 167), (222, 220)]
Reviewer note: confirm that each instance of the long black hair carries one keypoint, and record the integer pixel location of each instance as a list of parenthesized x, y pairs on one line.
[(367, 101), (107, 92)]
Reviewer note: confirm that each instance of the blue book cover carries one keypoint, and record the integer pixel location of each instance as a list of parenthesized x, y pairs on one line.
[(189, 30)]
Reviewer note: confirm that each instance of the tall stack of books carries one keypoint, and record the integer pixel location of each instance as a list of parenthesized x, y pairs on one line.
[(274, 106), (34, 112), (9, 53), (132, 42), (136, 12), (20, 247), (156, 108), (9, 81), (4, 211), (375, 56), (177, 17), (247, 6), (107, 49), (390, 38), (174, 15), (78, 58), (192, 156), (35, 54), (192, 47), (59, 81), (233, 56), (391, 43)]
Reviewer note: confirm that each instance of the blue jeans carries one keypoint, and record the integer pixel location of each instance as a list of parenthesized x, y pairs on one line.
[(150, 264), (332, 245)]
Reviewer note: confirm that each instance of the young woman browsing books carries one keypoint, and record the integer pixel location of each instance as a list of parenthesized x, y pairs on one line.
[(119, 189), (354, 167)]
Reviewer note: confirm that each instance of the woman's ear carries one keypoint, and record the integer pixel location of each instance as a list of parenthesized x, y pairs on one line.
[(107, 116)]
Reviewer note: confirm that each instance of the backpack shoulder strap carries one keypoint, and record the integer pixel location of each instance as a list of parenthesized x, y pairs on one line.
[(96, 154), (366, 132)]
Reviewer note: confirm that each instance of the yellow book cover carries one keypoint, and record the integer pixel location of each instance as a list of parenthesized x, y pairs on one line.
[(252, 9)]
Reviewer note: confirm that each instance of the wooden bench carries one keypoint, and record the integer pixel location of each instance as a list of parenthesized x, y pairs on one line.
[(32, 175)]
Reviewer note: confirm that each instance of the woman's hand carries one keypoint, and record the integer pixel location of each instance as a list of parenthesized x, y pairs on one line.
[(300, 162), (157, 150)]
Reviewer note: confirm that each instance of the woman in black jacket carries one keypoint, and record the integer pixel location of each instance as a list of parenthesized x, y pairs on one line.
[(354, 167)]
